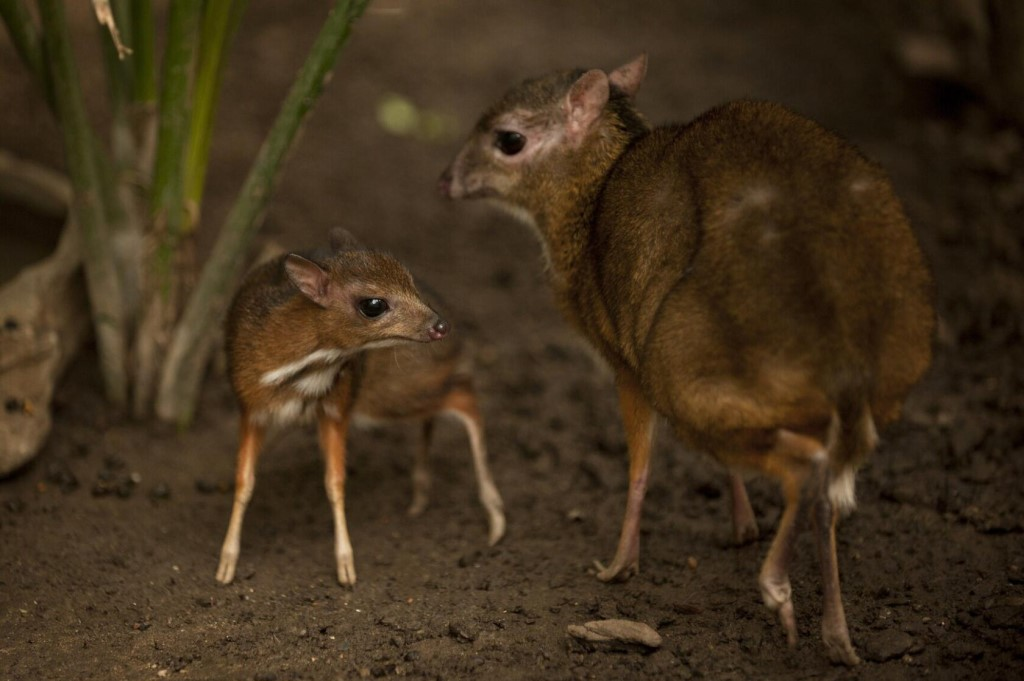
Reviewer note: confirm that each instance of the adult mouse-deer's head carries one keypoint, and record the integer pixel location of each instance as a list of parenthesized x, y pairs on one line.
[(547, 135)]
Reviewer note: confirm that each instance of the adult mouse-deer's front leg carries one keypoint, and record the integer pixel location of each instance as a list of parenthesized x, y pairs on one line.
[(638, 418)]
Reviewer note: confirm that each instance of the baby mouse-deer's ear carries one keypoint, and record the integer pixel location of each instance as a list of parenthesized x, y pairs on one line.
[(629, 76), (308, 277), (584, 104), (341, 239)]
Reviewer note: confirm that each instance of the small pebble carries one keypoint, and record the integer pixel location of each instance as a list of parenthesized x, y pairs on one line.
[(160, 492), (462, 631), (113, 463), (890, 644), (205, 487)]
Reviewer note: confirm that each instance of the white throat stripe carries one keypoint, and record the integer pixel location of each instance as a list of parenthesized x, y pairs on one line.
[(283, 373)]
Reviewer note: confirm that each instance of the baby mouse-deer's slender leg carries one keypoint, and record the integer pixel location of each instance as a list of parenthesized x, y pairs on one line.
[(462, 403), (744, 524), (834, 632), (333, 425), (421, 470), (638, 418), (250, 440)]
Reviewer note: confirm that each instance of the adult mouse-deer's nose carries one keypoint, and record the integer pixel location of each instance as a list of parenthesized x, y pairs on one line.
[(439, 330)]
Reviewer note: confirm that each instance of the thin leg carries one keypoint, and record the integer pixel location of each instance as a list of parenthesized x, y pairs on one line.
[(638, 418), (744, 524), (463, 404), (774, 578), (333, 429), (421, 471), (250, 440), (790, 462), (834, 632)]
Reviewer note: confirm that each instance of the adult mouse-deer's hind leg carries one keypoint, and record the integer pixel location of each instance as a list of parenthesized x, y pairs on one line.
[(834, 632), (744, 524)]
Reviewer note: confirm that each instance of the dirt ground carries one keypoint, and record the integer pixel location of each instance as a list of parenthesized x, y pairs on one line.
[(109, 541)]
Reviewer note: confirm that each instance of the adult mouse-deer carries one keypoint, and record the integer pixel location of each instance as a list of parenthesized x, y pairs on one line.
[(748, 275), (310, 336)]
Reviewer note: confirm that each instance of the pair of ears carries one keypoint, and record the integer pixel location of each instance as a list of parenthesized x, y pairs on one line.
[(590, 92), (309, 278)]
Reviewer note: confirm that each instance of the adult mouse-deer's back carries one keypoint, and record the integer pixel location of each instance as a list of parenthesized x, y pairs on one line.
[(749, 275)]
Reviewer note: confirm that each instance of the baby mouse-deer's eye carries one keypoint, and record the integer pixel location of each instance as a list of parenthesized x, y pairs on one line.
[(372, 307), (509, 142)]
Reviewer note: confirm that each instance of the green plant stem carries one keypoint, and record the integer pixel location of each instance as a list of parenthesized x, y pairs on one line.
[(119, 71), (144, 91), (164, 274), (26, 41), (166, 194), (220, 19), (190, 348), (143, 51), (100, 269)]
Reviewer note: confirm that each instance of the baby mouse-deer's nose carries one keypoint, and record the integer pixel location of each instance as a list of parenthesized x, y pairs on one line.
[(439, 330)]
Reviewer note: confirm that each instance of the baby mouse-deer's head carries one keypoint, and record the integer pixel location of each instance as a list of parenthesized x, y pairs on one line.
[(546, 131), (363, 298)]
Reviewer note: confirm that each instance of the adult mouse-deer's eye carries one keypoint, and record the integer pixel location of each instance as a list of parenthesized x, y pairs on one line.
[(509, 143), (373, 307)]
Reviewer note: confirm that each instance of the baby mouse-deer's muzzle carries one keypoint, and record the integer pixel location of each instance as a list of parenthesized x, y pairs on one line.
[(439, 330)]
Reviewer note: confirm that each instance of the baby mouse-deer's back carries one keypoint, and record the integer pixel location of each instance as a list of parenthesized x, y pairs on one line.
[(297, 319)]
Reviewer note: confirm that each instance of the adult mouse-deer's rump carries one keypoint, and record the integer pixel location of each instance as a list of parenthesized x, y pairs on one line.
[(334, 334), (748, 275)]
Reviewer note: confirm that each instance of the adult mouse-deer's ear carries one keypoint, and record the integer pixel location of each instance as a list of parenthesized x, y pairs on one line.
[(308, 277), (341, 239), (629, 76), (584, 103)]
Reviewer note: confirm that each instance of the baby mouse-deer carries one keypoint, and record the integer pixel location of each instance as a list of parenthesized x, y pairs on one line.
[(748, 275), (332, 335)]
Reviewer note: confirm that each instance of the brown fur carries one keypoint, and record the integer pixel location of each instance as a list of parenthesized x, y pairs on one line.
[(299, 346), (749, 273)]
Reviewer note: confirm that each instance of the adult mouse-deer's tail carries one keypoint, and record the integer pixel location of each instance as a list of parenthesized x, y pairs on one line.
[(852, 437)]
